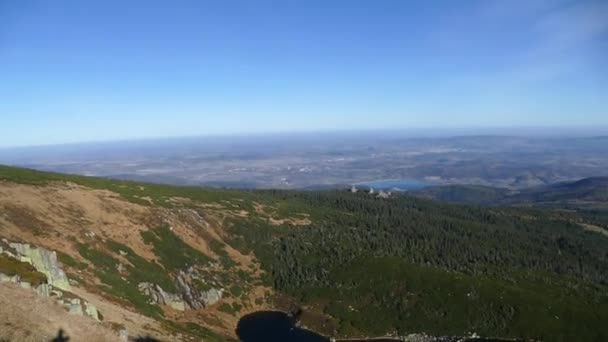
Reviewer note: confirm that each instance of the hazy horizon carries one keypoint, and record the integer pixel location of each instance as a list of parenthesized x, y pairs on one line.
[(113, 70), (420, 132)]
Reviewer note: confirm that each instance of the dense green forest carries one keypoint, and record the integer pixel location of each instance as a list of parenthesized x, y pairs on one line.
[(409, 265)]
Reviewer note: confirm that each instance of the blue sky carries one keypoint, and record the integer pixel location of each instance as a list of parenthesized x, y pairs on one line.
[(101, 70)]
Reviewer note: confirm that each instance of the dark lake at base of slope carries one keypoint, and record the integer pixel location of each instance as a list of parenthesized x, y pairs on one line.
[(273, 326), (276, 326)]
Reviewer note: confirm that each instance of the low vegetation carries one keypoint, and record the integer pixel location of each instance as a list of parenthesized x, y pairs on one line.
[(123, 288), (174, 253), (27, 272), (373, 266)]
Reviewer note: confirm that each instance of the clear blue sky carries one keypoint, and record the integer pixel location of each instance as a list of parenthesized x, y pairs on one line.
[(102, 70)]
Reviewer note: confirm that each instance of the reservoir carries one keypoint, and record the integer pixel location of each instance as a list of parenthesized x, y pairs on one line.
[(399, 184)]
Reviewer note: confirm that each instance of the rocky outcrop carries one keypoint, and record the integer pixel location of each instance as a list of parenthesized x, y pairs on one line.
[(187, 296), (74, 307), (211, 296), (196, 298), (45, 262), (91, 311), (57, 286), (161, 297)]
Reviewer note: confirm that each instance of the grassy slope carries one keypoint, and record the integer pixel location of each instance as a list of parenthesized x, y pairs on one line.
[(403, 290)]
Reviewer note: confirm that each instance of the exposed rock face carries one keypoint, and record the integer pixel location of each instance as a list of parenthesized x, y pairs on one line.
[(196, 299), (188, 297), (91, 311), (75, 309), (45, 262), (211, 296), (160, 297), (44, 290)]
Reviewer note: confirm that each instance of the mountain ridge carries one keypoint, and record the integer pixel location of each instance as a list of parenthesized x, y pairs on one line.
[(356, 265)]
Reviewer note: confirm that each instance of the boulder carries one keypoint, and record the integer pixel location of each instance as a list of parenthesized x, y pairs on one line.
[(91, 311), (45, 262), (75, 309)]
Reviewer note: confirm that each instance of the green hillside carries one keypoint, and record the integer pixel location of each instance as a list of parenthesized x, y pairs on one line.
[(368, 267), (464, 194)]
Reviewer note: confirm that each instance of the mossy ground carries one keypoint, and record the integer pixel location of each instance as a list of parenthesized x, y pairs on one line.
[(27, 272)]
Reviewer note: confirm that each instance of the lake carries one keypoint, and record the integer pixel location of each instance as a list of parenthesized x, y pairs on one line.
[(400, 184), (273, 326), (276, 326)]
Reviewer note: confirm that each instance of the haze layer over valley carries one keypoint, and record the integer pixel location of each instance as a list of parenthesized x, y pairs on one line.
[(331, 159)]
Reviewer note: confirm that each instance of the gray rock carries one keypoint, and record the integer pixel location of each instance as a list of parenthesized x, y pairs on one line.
[(10, 254), (187, 296), (160, 297), (178, 305), (91, 311), (4, 278), (211, 296), (25, 285), (75, 309), (196, 299), (44, 290), (123, 335), (45, 262)]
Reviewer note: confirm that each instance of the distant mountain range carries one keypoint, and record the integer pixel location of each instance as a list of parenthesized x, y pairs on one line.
[(585, 193)]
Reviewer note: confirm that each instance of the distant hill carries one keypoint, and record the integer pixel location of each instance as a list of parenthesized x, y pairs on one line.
[(466, 194), (585, 193), (588, 190)]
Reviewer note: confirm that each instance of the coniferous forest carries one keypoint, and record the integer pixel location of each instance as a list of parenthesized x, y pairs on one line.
[(410, 265)]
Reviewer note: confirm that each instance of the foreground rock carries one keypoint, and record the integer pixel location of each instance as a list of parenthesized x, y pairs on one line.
[(44, 261)]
